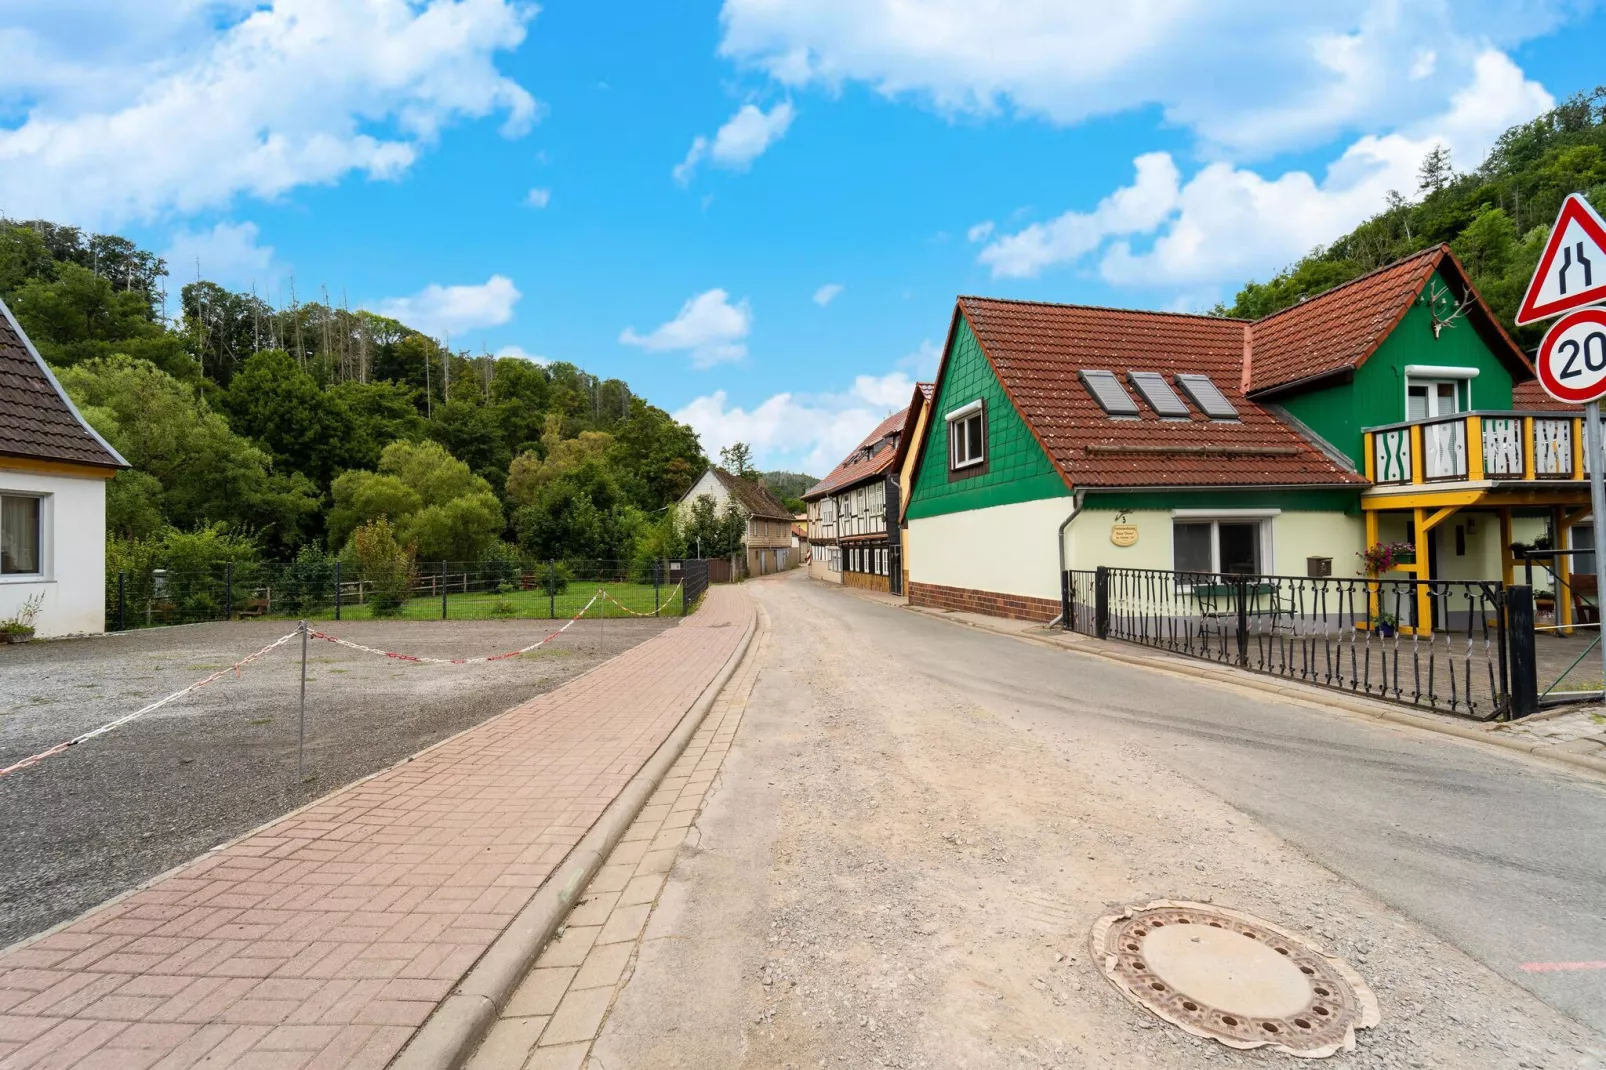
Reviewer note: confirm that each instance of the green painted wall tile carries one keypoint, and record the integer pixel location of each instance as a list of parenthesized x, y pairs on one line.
[(1018, 469)]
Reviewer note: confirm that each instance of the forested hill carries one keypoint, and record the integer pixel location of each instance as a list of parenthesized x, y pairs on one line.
[(256, 429), (1496, 217)]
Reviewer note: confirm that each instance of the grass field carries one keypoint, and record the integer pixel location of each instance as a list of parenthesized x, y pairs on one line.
[(524, 604)]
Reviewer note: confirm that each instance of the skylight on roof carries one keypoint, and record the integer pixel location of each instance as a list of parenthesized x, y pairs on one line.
[(1205, 394), (1158, 393), (1109, 393)]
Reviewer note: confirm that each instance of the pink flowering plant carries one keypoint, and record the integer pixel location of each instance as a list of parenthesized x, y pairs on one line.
[(1383, 557)]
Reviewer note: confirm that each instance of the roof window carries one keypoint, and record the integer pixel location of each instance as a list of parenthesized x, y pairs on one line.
[(1158, 393), (1109, 393), (1205, 394)]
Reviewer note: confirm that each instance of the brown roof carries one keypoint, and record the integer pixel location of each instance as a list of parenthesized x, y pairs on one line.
[(37, 420), (1335, 331), (1530, 395), (1038, 349), (866, 460), (754, 497)]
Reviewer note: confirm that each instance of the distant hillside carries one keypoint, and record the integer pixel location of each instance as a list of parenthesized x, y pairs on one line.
[(787, 484), (1496, 217)]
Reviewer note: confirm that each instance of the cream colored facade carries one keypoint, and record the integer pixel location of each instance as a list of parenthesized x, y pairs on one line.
[(1008, 549), (1287, 538), (72, 576)]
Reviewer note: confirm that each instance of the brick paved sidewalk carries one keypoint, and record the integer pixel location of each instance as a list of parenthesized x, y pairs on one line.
[(554, 1016), (327, 938)]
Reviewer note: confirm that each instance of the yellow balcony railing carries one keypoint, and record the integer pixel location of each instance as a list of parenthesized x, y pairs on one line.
[(1477, 446)]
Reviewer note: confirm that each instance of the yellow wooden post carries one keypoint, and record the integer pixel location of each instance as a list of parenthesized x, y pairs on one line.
[(1528, 448), (1474, 431), (1578, 448), (1372, 588), (1508, 563), (1563, 574), (1417, 460), (1371, 457), (1424, 601)]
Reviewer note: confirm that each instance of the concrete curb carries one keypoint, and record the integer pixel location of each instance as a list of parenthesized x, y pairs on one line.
[(452, 1033), (1548, 751)]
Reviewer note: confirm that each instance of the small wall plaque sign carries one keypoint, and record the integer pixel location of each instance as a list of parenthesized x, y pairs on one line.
[(1124, 534)]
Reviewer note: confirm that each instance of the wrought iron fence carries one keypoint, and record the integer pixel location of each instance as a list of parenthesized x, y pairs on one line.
[(1361, 635), (429, 590)]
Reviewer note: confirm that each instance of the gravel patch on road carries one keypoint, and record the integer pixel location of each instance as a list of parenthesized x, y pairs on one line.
[(890, 874), (109, 814)]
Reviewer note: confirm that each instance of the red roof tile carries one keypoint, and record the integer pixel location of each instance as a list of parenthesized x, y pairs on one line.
[(1037, 350), (866, 460), (1530, 396), (37, 420)]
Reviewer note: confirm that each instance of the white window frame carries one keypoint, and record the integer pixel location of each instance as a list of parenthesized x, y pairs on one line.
[(959, 441), (1263, 519), (1430, 375), (41, 532)]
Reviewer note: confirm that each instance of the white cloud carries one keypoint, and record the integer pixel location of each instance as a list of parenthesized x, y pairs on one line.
[(446, 311), (803, 432), (708, 326), (1254, 75), (538, 198), (980, 231), (192, 116), (742, 139), (228, 255), (827, 293), (1226, 223), (520, 353)]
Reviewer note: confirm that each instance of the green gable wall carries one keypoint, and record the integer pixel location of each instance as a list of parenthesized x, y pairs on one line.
[(1017, 468), (1376, 395)]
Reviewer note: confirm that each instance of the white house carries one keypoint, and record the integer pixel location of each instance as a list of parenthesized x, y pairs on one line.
[(767, 543), (53, 473)]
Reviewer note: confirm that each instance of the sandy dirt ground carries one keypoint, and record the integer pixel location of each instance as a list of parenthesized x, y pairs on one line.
[(108, 814), (892, 874)]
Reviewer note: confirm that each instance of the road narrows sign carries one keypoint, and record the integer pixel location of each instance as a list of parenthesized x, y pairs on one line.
[(1572, 358), (1572, 269)]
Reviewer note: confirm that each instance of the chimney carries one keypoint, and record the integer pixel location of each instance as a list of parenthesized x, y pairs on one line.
[(1249, 355)]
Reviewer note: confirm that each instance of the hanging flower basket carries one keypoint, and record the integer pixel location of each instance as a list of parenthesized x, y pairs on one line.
[(1384, 557)]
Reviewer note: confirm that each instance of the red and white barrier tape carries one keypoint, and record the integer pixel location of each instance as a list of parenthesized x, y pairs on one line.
[(158, 704), (635, 613), (455, 661)]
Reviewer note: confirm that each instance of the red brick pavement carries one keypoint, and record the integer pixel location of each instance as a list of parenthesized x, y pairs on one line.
[(327, 938)]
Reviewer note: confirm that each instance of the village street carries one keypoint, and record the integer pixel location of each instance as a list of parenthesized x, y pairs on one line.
[(917, 824)]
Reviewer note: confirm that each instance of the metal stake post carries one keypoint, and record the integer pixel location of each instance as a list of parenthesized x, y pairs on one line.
[(301, 719), (655, 606), (552, 589), (228, 590), (1597, 502), (337, 590), (443, 590)]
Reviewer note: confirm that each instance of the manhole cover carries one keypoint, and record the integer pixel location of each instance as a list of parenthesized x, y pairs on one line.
[(1230, 977)]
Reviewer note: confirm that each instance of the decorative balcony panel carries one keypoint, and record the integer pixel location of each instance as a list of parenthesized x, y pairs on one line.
[(1553, 448), (1391, 452), (1444, 445), (1502, 447)]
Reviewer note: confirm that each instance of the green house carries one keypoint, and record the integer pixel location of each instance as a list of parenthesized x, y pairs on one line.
[(1393, 408)]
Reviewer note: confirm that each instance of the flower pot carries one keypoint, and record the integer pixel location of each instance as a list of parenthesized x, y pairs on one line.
[(1405, 559), (17, 637), (1385, 631)]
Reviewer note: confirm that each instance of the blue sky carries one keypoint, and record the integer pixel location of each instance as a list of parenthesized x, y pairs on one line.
[(758, 212)]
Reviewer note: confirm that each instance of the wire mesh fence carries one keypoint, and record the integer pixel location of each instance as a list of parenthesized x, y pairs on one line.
[(428, 590)]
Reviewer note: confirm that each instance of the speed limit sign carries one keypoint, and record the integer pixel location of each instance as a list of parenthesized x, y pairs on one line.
[(1572, 358)]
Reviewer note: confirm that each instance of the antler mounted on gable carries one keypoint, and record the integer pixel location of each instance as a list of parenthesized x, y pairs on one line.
[(1443, 306)]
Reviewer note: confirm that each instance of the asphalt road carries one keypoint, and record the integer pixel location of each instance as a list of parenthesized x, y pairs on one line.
[(1496, 853)]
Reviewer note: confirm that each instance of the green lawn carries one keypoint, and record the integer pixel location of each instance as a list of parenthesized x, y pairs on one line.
[(526, 604)]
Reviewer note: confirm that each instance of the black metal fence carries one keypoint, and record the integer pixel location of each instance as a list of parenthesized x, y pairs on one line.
[(694, 575), (430, 590), (1360, 635)]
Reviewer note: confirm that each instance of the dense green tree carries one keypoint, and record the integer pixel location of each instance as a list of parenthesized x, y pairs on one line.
[(208, 474), (374, 415), (582, 514), (713, 531), (76, 315), (275, 401), (435, 503)]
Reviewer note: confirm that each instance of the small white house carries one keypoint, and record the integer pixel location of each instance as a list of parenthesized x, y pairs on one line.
[(53, 473)]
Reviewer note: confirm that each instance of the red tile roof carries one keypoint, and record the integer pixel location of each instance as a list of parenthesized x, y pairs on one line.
[(1338, 329), (1037, 350), (866, 460), (1530, 396), (37, 421)]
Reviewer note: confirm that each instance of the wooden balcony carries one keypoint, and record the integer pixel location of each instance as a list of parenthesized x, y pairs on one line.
[(1491, 458)]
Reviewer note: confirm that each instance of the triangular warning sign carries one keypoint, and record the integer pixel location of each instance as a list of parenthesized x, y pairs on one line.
[(1572, 271)]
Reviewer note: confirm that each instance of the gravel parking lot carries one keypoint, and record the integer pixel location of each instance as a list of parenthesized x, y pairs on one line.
[(106, 815)]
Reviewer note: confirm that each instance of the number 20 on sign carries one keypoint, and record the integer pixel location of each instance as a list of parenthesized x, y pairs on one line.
[(1572, 358)]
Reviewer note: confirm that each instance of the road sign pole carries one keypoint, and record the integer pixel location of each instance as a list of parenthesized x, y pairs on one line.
[(1597, 502)]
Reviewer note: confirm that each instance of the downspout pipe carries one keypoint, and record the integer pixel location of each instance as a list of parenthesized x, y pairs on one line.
[(1076, 508)]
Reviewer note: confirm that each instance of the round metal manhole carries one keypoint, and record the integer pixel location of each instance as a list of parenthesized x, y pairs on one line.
[(1231, 977)]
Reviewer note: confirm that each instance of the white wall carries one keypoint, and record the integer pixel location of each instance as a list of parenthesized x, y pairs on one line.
[(1007, 549), (74, 583)]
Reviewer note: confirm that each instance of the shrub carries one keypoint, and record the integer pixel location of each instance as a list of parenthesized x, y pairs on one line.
[(307, 581), (386, 567), (503, 607)]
